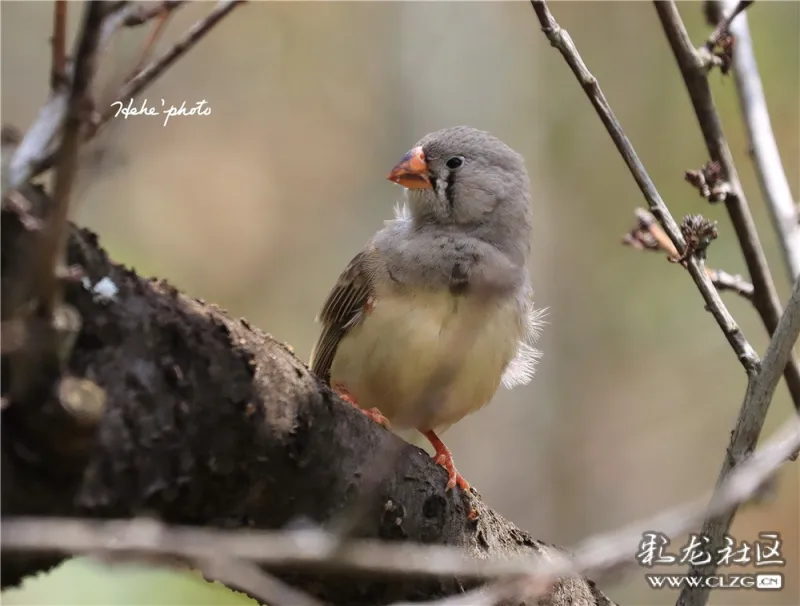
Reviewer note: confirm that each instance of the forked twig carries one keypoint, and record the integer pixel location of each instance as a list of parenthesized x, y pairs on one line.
[(157, 67), (161, 13), (648, 235), (762, 378), (765, 296), (755, 406), (560, 39), (37, 152), (763, 147)]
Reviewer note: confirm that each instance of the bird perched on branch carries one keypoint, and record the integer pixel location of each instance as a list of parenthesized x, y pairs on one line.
[(436, 311)]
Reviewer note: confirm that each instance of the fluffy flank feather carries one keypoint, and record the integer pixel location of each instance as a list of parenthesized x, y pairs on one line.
[(522, 367)]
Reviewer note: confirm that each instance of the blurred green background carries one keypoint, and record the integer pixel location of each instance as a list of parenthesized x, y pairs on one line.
[(259, 206)]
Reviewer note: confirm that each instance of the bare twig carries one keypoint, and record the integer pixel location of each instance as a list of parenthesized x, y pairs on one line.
[(747, 430), (760, 388), (150, 73), (765, 296), (561, 40), (316, 551), (731, 282), (161, 12), (49, 255), (117, 17), (142, 13), (647, 234), (755, 406), (247, 577), (36, 153), (763, 148), (58, 68), (737, 6)]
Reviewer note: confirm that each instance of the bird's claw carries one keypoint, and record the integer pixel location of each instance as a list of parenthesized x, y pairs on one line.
[(444, 458), (375, 415), (372, 413)]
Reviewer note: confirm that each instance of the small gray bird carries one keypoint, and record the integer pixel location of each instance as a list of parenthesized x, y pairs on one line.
[(436, 311)]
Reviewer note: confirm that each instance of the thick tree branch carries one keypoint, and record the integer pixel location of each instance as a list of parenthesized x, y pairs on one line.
[(319, 551), (210, 422), (695, 75)]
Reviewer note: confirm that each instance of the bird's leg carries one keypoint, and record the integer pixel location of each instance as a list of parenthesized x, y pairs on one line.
[(444, 458), (372, 413)]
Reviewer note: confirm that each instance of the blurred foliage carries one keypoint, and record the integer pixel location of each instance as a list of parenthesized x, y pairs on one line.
[(260, 205)]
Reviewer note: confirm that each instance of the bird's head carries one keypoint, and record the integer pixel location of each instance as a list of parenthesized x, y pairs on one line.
[(462, 175)]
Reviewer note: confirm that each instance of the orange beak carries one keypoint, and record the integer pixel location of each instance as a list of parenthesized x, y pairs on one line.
[(412, 171)]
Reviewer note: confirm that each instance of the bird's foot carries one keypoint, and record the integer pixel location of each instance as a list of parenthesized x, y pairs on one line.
[(372, 413), (375, 415), (444, 458)]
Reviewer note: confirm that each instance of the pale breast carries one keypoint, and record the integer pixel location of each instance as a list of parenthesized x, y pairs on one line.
[(407, 345)]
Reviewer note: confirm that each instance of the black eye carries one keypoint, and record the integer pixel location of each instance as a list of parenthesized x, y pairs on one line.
[(454, 162)]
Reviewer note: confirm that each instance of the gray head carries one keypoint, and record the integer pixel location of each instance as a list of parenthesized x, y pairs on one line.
[(466, 177)]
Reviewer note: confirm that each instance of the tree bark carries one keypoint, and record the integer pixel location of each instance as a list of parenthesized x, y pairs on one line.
[(209, 421)]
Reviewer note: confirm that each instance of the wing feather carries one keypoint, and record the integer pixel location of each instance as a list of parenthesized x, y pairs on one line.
[(343, 309)]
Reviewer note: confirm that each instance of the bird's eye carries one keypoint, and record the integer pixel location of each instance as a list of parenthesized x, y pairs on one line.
[(454, 162)]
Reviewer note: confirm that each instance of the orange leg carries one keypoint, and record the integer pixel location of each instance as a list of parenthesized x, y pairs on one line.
[(372, 413), (444, 458)]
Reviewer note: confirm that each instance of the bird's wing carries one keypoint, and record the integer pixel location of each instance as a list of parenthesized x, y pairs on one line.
[(343, 309)]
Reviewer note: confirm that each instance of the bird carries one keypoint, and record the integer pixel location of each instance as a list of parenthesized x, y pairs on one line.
[(436, 312)]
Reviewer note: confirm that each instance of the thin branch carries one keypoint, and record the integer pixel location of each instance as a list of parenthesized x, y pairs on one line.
[(756, 403), (161, 13), (249, 578), (318, 551), (142, 13), (695, 76), (58, 68), (723, 27), (648, 235), (760, 388), (763, 147), (747, 430), (36, 153), (150, 73), (37, 145), (731, 282), (53, 240), (560, 39)]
